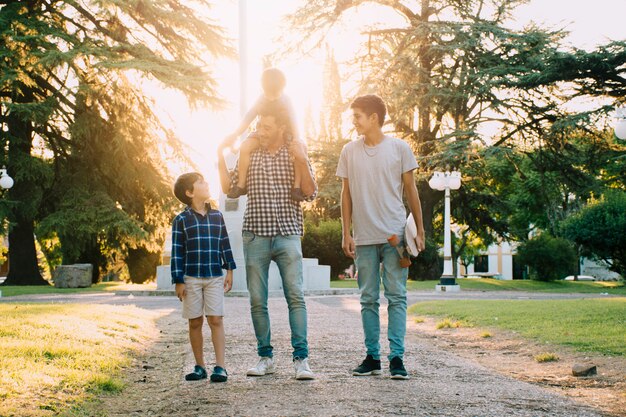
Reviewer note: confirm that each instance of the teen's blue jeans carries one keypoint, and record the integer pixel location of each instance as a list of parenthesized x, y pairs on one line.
[(286, 251), (374, 262)]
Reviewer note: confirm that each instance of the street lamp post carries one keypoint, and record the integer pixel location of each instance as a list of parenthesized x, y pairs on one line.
[(620, 123), (446, 181), (6, 182)]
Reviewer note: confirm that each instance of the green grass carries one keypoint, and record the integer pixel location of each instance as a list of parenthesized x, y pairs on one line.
[(487, 284), (592, 325), (57, 358), (12, 290)]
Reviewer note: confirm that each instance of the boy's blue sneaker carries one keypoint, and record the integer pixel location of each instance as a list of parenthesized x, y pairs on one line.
[(197, 374), (219, 374)]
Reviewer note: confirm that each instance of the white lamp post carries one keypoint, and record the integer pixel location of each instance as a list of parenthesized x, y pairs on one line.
[(6, 182), (446, 181), (620, 123)]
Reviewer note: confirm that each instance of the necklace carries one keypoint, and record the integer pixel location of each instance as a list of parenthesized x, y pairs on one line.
[(373, 149)]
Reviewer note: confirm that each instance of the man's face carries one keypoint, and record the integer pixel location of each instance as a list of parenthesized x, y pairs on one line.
[(362, 122), (268, 131)]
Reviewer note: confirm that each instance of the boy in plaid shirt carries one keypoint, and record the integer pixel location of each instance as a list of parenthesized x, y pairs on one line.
[(200, 252)]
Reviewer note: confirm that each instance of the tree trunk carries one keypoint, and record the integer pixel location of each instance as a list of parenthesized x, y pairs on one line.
[(23, 266)]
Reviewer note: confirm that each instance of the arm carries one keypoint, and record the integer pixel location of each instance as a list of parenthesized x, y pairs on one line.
[(226, 253), (302, 164), (225, 176), (347, 242), (412, 197), (178, 258)]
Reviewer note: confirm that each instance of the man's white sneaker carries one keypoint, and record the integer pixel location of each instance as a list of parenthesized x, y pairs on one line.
[(265, 366), (303, 372)]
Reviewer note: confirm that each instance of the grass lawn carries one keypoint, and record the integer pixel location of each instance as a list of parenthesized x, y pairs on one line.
[(55, 358), (11, 290), (488, 284), (592, 325)]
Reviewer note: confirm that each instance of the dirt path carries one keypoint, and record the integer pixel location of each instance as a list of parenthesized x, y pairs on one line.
[(442, 384)]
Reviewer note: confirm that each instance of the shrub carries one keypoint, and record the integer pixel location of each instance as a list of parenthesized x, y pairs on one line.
[(600, 230), (549, 258), (427, 264), (322, 240)]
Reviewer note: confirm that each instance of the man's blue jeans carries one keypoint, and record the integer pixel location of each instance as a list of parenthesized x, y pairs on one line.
[(286, 251), (368, 264)]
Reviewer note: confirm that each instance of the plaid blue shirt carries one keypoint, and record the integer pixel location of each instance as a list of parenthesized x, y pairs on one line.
[(200, 245)]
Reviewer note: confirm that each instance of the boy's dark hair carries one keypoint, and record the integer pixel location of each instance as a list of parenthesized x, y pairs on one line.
[(279, 112), (185, 183), (370, 104), (273, 81)]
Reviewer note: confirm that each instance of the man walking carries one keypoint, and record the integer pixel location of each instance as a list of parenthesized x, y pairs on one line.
[(272, 230), (375, 169)]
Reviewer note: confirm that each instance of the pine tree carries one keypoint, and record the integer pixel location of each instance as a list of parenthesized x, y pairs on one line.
[(69, 75)]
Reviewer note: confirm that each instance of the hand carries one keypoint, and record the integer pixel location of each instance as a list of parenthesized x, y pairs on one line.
[(181, 292), (420, 242), (298, 150), (228, 281), (348, 246)]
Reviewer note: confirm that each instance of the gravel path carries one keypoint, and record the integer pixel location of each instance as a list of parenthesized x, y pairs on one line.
[(442, 384)]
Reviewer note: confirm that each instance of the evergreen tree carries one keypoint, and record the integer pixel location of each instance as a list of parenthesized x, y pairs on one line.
[(70, 77), (454, 67)]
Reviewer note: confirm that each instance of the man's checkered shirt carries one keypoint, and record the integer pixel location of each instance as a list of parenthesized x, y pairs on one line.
[(200, 245), (270, 210)]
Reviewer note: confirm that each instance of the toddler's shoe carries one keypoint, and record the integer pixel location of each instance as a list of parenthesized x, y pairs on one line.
[(236, 192), (197, 374), (297, 194)]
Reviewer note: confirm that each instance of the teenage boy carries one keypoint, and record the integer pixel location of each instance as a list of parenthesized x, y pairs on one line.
[(375, 170)]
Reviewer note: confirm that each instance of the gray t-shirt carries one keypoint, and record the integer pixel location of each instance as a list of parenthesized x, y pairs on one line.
[(375, 178)]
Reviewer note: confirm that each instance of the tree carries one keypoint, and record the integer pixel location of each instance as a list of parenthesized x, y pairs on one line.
[(600, 230), (70, 78), (549, 258), (454, 67)]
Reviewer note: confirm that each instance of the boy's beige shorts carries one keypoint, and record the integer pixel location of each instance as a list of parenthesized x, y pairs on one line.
[(205, 297)]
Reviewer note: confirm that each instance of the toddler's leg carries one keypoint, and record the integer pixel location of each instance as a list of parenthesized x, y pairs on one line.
[(216, 323), (296, 191)]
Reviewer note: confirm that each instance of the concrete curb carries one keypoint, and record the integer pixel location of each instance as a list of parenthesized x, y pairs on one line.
[(307, 293)]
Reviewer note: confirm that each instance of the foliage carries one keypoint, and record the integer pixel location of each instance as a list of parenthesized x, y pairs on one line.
[(71, 75), (451, 71), (322, 240), (600, 230), (324, 158), (549, 258), (427, 265)]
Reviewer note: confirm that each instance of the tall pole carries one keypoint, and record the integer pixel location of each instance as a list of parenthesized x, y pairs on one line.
[(447, 278), (243, 56)]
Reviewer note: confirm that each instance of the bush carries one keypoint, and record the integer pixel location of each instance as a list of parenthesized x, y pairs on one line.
[(323, 241), (549, 258), (600, 230), (427, 265)]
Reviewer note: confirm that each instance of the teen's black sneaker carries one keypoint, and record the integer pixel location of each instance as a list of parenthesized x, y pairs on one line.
[(197, 374), (219, 374), (396, 369), (369, 366)]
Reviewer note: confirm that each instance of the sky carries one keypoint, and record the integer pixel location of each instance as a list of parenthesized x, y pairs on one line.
[(589, 24)]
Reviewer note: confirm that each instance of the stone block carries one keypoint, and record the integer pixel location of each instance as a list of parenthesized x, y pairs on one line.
[(584, 370), (164, 278), (73, 276)]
